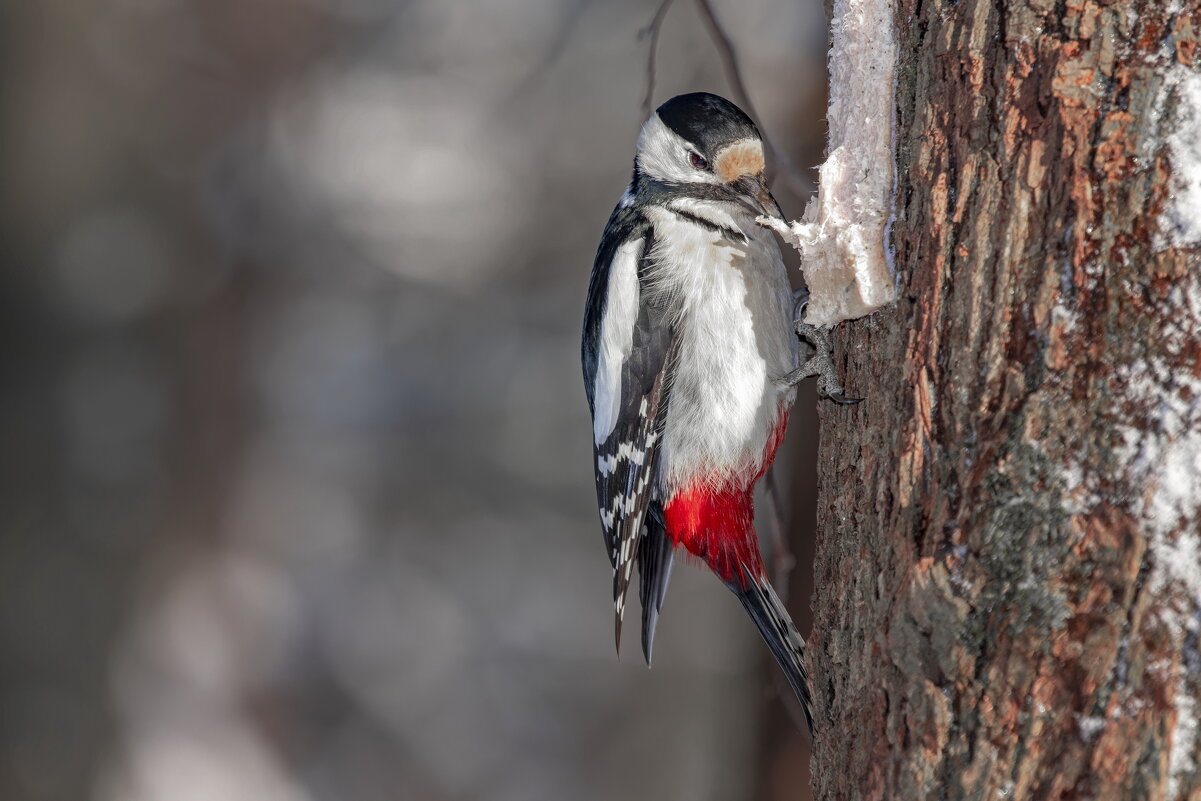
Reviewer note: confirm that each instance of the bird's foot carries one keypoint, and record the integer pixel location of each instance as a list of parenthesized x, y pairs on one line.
[(821, 364)]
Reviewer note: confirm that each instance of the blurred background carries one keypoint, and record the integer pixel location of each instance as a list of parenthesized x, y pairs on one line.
[(295, 464)]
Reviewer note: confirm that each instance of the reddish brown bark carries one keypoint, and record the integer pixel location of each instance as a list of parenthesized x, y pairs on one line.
[(996, 611)]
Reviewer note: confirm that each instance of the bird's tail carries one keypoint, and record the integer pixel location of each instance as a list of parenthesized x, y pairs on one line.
[(654, 570), (778, 631)]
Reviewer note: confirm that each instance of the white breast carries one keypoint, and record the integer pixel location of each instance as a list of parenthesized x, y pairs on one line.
[(736, 342)]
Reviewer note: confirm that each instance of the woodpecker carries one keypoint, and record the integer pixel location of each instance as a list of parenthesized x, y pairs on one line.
[(690, 355)]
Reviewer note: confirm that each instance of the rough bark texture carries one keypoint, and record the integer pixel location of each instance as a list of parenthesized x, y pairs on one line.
[(1000, 612)]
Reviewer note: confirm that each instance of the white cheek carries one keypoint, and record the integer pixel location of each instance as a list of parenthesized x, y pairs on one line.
[(664, 155)]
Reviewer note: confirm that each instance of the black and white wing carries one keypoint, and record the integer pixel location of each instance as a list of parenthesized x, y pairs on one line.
[(628, 354)]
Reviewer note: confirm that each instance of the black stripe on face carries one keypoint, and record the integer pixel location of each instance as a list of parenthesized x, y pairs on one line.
[(653, 192), (662, 193), (709, 225)]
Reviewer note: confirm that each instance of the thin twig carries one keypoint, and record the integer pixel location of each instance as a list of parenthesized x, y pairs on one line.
[(652, 30), (795, 179)]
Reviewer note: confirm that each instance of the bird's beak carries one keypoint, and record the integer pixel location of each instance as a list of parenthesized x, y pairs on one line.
[(756, 195)]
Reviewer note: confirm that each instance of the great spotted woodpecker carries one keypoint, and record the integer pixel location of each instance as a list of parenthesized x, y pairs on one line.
[(690, 355)]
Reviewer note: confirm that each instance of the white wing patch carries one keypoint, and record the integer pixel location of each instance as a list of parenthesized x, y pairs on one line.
[(616, 338)]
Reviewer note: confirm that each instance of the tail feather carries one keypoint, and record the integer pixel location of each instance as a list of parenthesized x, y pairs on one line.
[(778, 631), (654, 570)]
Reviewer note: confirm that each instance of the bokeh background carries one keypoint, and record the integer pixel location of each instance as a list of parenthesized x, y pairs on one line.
[(295, 459)]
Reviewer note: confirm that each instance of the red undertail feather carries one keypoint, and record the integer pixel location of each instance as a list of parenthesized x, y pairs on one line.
[(716, 524)]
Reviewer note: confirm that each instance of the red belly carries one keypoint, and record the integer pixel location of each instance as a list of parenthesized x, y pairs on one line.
[(716, 524)]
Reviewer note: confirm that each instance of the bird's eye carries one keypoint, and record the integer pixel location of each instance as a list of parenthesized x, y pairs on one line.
[(698, 161)]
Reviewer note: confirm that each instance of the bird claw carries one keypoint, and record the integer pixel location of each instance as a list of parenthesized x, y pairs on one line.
[(821, 364), (842, 399)]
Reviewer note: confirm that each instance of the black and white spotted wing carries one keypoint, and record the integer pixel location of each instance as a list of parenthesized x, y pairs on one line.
[(628, 354)]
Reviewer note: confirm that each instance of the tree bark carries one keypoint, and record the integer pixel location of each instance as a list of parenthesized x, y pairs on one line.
[(1007, 571)]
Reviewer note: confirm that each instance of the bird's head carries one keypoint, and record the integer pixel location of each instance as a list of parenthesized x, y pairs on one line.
[(700, 138)]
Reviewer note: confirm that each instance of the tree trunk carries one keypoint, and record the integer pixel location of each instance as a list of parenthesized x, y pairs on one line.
[(1008, 577)]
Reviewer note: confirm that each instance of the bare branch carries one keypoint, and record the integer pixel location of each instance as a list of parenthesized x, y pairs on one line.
[(652, 30), (795, 179)]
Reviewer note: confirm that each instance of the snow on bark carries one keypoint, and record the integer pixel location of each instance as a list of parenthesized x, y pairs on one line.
[(1164, 457), (1181, 220), (843, 236), (1164, 453)]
